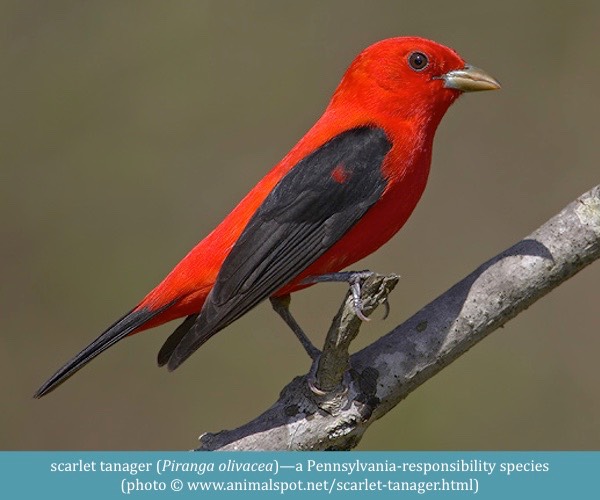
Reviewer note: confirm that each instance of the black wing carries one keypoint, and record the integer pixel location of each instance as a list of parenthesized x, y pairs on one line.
[(308, 211)]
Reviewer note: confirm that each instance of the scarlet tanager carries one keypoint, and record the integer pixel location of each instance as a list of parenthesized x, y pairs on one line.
[(343, 191)]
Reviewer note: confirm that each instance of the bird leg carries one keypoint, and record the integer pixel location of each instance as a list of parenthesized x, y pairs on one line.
[(355, 279), (281, 305)]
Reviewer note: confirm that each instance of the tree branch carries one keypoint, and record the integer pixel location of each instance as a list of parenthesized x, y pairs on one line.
[(336, 415)]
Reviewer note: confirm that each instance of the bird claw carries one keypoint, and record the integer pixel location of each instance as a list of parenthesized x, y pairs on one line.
[(360, 315), (355, 279), (355, 286), (386, 304)]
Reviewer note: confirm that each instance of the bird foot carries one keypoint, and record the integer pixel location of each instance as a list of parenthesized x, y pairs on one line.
[(355, 279)]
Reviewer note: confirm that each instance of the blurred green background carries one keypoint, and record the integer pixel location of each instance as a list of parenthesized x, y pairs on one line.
[(129, 129)]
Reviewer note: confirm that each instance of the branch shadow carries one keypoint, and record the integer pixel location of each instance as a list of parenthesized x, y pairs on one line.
[(418, 341)]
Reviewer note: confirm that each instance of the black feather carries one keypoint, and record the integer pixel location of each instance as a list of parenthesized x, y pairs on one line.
[(173, 340), (307, 212), (113, 334)]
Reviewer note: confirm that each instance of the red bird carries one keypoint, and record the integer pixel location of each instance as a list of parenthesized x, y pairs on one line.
[(343, 191)]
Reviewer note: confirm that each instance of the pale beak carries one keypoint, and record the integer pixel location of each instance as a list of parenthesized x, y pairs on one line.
[(469, 79)]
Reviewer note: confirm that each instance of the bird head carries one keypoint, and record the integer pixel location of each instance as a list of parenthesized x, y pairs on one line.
[(409, 77)]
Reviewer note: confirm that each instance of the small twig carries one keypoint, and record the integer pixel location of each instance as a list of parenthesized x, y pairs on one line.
[(334, 360)]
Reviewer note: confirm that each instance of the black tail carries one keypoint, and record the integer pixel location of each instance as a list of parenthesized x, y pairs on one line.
[(119, 330), (173, 340)]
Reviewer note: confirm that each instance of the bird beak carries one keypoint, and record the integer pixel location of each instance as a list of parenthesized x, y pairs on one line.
[(469, 79)]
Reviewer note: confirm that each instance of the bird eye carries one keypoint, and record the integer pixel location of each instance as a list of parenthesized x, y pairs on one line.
[(418, 61)]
